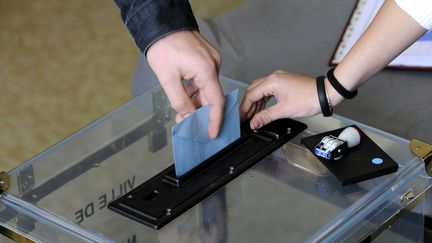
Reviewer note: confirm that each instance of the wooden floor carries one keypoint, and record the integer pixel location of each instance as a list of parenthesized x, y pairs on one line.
[(63, 64)]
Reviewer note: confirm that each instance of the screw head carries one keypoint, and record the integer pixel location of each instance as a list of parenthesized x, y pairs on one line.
[(231, 169)]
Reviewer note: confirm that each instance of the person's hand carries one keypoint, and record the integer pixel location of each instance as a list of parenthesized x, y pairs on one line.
[(186, 55), (296, 96)]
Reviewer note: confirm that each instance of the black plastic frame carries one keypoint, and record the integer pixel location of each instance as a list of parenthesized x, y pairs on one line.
[(164, 197)]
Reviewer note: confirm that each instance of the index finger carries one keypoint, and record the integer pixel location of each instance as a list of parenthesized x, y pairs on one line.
[(214, 95), (255, 92)]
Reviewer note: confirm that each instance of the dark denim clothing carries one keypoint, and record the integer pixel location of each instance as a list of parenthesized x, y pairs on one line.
[(150, 20)]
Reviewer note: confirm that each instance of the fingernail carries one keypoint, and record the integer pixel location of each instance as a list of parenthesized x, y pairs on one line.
[(259, 125), (212, 135), (256, 124)]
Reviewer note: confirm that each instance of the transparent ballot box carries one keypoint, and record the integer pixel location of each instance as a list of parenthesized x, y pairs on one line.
[(62, 194)]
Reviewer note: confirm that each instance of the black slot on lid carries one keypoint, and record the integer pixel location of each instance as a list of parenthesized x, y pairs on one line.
[(165, 196)]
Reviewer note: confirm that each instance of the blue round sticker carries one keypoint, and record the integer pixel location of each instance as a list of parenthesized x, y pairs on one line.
[(377, 161)]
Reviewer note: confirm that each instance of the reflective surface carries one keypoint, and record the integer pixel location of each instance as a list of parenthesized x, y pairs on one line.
[(63, 193)]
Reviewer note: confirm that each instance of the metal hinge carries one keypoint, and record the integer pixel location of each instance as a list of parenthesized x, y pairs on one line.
[(4, 182), (4, 186), (423, 151), (13, 236), (25, 180)]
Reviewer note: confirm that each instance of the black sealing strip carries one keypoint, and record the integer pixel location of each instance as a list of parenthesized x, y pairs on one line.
[(338, 86), (164, 197)]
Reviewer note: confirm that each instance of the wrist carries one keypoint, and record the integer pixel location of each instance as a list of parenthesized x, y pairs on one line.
[(170, 36), (349, 78)]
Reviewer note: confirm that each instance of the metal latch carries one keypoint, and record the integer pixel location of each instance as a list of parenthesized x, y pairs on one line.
[(423, 151), (4, 182)]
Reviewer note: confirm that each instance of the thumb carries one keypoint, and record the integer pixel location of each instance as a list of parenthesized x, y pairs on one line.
[(266, 116)]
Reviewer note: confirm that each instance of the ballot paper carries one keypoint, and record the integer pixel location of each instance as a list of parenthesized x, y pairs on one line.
[(191, 143)]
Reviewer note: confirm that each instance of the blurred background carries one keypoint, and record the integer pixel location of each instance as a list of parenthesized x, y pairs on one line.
[(63, 64)]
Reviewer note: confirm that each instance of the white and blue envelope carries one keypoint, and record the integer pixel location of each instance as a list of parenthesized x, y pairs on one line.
[(191, 143)]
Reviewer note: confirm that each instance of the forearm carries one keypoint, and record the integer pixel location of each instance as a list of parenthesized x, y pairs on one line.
[(389, 34), (150, 20)]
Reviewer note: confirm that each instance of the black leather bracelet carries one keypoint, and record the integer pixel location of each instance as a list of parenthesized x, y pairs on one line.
[(322, 97), (338, 87)]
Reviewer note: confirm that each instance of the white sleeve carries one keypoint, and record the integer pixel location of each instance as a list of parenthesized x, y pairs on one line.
[(419, 10)]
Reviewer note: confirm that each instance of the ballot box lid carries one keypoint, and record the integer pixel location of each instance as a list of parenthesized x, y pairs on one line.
[(62, 194)]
